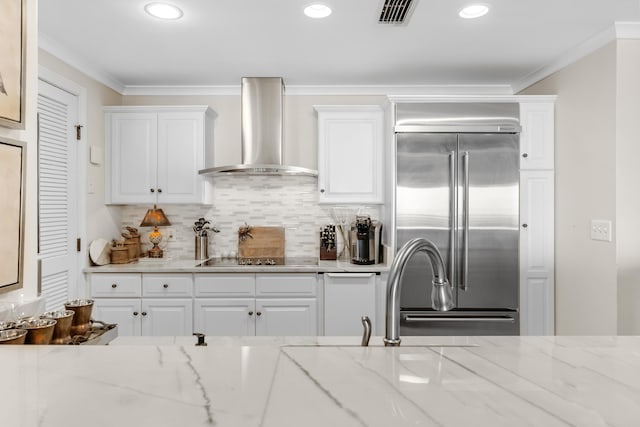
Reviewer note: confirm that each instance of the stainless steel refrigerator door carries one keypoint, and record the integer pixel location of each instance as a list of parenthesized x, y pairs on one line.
[(425, 200), (459, 322), (488, 232)]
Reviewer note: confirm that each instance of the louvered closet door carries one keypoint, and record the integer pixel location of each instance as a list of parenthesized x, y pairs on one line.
[(57, 165)]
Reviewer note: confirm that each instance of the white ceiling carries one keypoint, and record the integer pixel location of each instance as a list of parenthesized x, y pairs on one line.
[(219, 41)]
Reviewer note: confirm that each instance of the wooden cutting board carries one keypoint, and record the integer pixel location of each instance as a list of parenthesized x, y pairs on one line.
[(267, 242)]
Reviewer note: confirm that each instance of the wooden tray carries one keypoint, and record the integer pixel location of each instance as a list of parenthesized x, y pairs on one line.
[(267, 242)]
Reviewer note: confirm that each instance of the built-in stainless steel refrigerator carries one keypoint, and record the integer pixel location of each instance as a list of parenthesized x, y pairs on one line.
[(457, 184)]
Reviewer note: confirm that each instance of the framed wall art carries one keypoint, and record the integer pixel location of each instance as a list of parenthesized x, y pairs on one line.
[(12, 63), (13, 162)]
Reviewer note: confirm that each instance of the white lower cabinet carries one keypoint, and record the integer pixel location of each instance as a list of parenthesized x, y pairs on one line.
[(224, 316), (124, 312), (144, 304), (537, 268), (286, 316), (256, 304), (348, 297), (166, 317)]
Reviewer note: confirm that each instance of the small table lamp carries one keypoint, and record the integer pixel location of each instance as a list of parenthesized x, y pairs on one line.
[(155, 218)]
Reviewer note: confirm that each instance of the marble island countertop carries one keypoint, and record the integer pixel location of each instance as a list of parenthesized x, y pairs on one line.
[(262, 381), (168, 265)]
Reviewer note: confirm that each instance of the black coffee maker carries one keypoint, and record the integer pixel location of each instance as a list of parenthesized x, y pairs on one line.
[(364, 240)]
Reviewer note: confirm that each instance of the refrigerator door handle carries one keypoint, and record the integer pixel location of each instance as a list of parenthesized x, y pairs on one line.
[(427, 318), (465, 222), (453, 216)]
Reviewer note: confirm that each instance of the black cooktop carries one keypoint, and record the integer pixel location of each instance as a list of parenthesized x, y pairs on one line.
[(289, 262)]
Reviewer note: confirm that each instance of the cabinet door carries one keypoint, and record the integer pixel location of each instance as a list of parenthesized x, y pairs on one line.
[(536, 253), (537, 135), (348, 297), (133, 157), (124, 312), (167, 317), (291, 316), (350, 167), (225, 316), (180, 157)]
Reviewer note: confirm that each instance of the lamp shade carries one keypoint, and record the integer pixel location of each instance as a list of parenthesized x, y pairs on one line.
[(155, 218)]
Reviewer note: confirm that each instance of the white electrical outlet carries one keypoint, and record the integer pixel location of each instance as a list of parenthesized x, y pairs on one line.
[(601, 230), (170, 234)]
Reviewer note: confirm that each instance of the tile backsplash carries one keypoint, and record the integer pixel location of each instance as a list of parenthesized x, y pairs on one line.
[(288, 201)]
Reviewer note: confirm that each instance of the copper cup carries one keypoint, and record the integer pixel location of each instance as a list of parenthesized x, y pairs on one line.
[(13, 336), (39, 331), (62, 330), (82, 318)]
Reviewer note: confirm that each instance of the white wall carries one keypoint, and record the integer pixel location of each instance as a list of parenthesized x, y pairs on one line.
[(628, 186), (29, 135), (586, 290)]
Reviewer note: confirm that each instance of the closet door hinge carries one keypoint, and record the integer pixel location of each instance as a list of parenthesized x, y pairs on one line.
[(78, 132)]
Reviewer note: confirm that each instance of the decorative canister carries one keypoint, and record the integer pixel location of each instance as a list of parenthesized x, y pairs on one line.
[(62, 330), (119, 255), (202, 247), (82, 318), (133, 249)]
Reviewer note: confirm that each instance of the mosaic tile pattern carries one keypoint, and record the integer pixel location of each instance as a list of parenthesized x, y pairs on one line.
[(288, 201)]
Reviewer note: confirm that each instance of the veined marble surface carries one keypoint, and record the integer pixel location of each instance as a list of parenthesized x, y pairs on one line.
[(429, 381), (145, 265)]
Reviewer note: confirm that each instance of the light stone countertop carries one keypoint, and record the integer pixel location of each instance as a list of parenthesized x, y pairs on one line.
[(271, 381), (146, 265)]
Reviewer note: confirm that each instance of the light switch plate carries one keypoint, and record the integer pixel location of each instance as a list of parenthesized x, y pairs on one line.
[(601, 230)]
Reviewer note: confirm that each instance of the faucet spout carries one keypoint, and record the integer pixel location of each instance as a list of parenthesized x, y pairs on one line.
[(441, 294)]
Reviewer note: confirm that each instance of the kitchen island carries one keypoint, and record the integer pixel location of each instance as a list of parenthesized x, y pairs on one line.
[(325, 381)]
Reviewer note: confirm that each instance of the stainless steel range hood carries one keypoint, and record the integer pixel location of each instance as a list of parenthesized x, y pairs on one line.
[(262, 131)]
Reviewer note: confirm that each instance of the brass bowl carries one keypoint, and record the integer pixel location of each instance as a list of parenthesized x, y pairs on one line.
[(39, 331), (82, 317), (62, 330), (7, 325), (13, 336)]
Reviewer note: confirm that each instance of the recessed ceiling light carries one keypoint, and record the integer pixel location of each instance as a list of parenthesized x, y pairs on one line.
[(474, 11), (317, 11), (163, 11)]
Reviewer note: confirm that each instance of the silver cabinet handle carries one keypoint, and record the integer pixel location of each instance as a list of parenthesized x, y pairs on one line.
[(525, 225), (465, 219), (144, 313), (251, 313), (322, 190), (453, 215), (166, 285), (259, 313), (135, 313), (525, 155), (159, 190), (152, 190), (114, 285)]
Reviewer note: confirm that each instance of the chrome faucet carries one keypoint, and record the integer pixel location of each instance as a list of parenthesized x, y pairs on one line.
[(441, 295)]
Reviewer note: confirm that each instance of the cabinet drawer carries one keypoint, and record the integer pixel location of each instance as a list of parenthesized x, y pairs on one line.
[(225, 285), (278, 285), (116, 285), (167, 285)]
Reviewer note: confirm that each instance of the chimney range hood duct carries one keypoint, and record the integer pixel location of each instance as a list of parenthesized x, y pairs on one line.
[(262, 129)]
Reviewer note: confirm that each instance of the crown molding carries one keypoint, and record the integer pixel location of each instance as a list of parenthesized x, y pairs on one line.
[(51, 46), (381, 90), (619, 30), (627, 30)]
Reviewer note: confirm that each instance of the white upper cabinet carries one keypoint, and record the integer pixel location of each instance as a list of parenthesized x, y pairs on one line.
[(154, 154), (537, 135), (350, 164)]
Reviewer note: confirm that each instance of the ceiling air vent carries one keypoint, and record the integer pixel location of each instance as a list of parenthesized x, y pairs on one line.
[(394, 11)]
